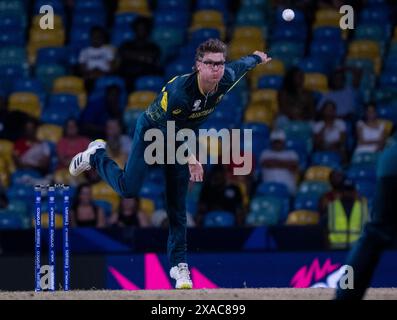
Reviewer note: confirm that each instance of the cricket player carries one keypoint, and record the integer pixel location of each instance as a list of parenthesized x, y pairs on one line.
[(187, 100), (379, 232)]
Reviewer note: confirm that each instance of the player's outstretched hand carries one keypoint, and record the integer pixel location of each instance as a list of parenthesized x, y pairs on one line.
[(196, 171), (264, 57)]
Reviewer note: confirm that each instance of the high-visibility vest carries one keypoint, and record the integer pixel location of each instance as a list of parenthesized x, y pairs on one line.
[(341, 230)]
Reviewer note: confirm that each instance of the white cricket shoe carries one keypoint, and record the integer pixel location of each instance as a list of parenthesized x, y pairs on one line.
[(81, 161), (182, 276)]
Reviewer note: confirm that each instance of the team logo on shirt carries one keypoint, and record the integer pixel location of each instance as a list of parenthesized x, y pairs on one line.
[(196, 105), (177, 111)]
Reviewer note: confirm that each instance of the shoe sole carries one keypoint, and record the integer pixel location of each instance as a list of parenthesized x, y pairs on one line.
[(75, 174)]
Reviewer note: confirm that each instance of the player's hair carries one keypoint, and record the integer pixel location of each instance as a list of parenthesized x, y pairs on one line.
[(210, 46)]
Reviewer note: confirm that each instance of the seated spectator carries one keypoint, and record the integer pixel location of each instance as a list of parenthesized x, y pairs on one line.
[(371, 132), (100, 108), (29, 152), (278, 164), (98, 59), (130, 214), (330, 132), (347, 214), (140, 56), (84, 212), (70, 144), (218, 193), (344, 96), (117, 144), (295, 102)]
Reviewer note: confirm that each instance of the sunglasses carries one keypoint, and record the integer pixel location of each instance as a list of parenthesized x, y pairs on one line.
[(213, 64)]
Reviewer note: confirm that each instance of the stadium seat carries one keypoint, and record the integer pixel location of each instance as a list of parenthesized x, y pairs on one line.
[(10, 56), (102, 191), (365, 159), (297, 130), (268, 98), (327, 18), (306, 202), (247, 32), (264, 211), (313, 65), (250, 16), (240, 48), (140, 7), (259, 114), (58, 22), (362, 173), (274, 67), (219, 219), (272, 189), (326, 158), (46, 74), (318, 173), (316, 82), (10, 221), (303, 217), (49, 132), (270, 82), (316, 188), (71, 85), (140, 99), (149, 83), (208, 19), (333, 34), (26, 102)]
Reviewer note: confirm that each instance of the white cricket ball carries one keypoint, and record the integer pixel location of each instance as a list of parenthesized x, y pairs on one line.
[(288, 14)]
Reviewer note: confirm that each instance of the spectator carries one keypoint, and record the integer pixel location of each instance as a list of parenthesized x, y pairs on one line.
[(100, 108), (347, 214), (29, 152), (278, 164), (371, 132), (70, 144), (130, 214), (344, 96), (140, 56), (295, 102), (97, 59), (118, 145), (330, 132), (84, 212), (336, 180), (218, 193)]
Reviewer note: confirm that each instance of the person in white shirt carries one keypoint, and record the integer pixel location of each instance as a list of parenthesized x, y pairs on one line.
[(278, 164), (97, 59), (330, 132), (371, 132), (344, 96)]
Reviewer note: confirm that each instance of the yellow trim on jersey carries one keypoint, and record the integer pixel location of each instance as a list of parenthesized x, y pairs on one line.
[(164, 101)]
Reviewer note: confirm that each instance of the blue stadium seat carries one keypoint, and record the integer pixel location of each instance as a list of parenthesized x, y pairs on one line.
[(387, 112), (388, 80), (326, 158), (151, 83), (80, 37), (10, 221), (289, 33), (315, 188), (203, 34), (9, 74), (57, 5), (103, 82), (170, 5), (178, 67), (19, 176), (270, 82), (272, 189), (60, 108), (365, 159), (216, 5), (219, 219), (306, 202), (328, 51), (366, 189), (124, 19), (14, 21), (168, 39), (12, 56), (28, 85), (47, 73), (327, 34), (360, 173), (264, 211), (171, 19), (89, 5), (375, 14), (56, 55), (11, 37), (250, 17), (301, 147), (85, 20), (312, 64), (121, 35)]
